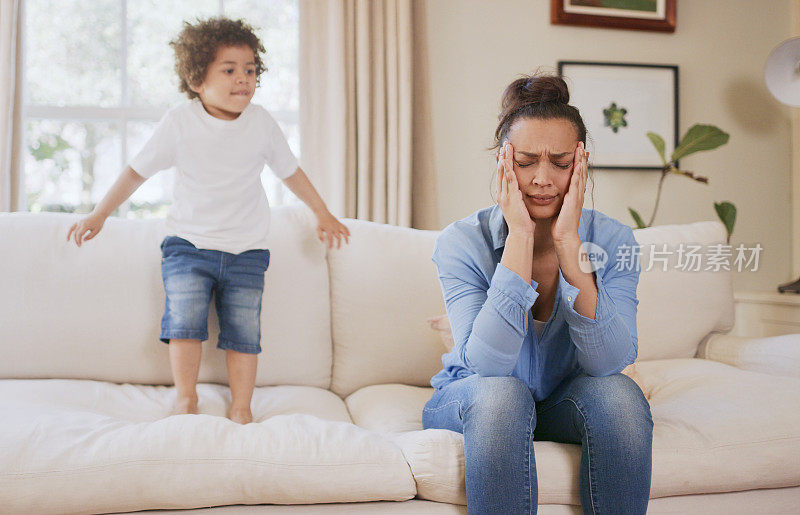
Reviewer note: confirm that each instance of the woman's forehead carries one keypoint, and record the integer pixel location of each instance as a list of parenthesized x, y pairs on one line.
[(538, 136)]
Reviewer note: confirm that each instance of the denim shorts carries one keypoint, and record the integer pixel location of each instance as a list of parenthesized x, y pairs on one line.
[(191, 275)]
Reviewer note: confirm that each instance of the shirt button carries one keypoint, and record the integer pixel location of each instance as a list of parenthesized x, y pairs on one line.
[(569, 299)]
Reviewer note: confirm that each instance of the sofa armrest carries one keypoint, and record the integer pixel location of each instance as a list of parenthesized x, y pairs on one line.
[(777, 355)]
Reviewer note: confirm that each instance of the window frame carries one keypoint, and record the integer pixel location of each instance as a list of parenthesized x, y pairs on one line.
[(121, 115)]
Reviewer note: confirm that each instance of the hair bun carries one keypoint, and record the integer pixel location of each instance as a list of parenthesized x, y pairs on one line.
[(535, 89), (546, 89), (540, 96)]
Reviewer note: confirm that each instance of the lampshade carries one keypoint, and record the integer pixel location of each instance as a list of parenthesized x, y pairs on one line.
[(782, 72)]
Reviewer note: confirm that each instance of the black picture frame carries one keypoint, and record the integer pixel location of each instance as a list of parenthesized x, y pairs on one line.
[(620, 103)]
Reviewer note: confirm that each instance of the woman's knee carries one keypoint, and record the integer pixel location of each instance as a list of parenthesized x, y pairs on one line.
[(615, 402), (500, 399)]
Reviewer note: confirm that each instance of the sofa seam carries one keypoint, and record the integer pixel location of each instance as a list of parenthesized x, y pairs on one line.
[(722, 446), (192, 461)]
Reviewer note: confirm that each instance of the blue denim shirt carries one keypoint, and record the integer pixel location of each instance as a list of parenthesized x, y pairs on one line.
[(489, 307)]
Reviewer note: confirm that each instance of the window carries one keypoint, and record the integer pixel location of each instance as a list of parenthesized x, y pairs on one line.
[(97, 80)]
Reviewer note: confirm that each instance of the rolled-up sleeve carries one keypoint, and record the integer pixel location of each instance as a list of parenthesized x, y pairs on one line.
[(608, 343), (487, 315)]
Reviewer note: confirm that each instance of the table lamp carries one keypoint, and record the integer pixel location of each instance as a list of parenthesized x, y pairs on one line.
[(782, 75)]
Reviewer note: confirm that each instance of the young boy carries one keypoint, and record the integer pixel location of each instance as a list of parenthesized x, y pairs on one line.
[(219, 220)]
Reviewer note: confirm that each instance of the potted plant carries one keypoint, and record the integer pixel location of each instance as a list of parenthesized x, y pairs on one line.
[(699, 137)]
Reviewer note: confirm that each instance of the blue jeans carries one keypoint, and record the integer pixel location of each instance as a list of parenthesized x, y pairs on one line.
[(609, 417), (191, 275)]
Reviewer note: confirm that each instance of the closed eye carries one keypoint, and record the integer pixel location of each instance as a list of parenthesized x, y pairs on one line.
[(562, 166)]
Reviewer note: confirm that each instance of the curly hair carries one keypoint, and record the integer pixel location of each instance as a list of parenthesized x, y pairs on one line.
[(196, 47)]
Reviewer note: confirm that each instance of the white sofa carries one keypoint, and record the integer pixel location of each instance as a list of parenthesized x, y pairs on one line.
[(347, 356)]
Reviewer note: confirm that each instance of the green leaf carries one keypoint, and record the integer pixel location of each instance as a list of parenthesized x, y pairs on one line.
[(48, 146), (658, 142), (727, 213), (636, 218), (700, 137)]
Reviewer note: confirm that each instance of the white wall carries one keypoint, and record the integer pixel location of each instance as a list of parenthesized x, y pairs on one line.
[(476, 47)]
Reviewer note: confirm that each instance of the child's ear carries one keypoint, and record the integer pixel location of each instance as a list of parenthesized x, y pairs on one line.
[(195, 88)]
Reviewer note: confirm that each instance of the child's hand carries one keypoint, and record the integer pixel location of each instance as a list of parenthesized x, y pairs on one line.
[(329, 227), (91, 224)]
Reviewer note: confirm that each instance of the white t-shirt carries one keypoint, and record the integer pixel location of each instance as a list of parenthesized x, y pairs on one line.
[(219, 202), (538, 325)]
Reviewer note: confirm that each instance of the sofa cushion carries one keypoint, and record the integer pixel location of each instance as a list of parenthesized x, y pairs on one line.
[(383, 287), (678, 306), (388, 408), (716, 429), (95, 312), (719, 428), (141, 403), (436, 456), (102, 447)]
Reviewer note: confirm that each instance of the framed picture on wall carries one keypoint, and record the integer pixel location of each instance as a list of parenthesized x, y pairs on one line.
[(615, 14), (620, 103)]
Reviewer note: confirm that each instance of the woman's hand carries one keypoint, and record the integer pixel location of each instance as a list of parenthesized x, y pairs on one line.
[(91, 224), (509, 196), (329, 227), (565, 226)]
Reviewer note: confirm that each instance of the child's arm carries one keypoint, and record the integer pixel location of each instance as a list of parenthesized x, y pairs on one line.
[(123, 188), (327, 224)]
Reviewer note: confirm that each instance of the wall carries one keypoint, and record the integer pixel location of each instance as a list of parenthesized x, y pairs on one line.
[(474, 48)]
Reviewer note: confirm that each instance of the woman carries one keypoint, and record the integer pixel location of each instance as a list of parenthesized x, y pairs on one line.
[(508, 382)]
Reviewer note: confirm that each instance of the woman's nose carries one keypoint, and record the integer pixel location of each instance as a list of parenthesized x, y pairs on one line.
[(541, 177)]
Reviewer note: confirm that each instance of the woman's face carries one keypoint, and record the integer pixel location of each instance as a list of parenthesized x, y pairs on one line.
[(544, 151)]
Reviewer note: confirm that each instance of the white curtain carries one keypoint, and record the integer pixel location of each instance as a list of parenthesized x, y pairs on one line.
[(10, 103), (356, 105)]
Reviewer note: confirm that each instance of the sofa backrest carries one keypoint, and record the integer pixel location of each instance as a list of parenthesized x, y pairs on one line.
[(679, 306), (95, 312), (384, 286)]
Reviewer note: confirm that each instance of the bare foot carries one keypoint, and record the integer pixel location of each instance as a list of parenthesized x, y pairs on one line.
[(240, 415), (185, 406)]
